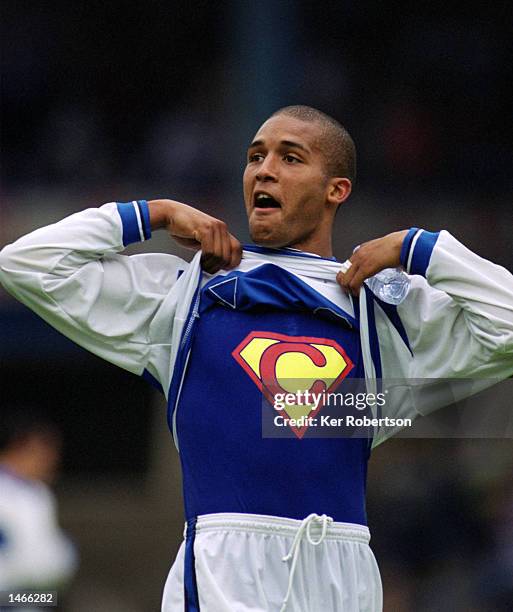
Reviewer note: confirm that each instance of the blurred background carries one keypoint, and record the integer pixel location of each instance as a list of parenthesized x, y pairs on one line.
[(106, 101)]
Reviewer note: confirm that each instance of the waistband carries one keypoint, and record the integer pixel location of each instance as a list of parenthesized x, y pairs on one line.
[(277, 525)]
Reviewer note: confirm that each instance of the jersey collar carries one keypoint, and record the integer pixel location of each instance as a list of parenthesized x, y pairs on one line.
[(288, 251)]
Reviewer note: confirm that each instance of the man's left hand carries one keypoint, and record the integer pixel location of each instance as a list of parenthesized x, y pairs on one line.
[(370, 258)]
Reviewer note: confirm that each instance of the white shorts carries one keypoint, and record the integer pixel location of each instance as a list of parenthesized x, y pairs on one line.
[(234, 563)]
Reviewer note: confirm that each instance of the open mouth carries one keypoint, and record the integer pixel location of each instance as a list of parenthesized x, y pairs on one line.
[(264, 200)]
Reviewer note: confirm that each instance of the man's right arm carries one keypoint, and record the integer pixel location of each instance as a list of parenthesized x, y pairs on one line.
[(72, 275)]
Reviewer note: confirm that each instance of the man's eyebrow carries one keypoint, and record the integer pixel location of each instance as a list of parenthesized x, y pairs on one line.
[(283, 143), (256, 143)]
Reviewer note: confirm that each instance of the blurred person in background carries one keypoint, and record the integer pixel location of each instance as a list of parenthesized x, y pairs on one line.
[(35, 554)]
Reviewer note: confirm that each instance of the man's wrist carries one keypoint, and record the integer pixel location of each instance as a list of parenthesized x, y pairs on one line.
[(398, 243), (161, 213)]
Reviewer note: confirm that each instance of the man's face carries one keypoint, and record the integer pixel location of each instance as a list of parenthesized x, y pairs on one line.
[(285, 184)]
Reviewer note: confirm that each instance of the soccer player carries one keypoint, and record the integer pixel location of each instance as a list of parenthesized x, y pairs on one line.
[(272, 524)]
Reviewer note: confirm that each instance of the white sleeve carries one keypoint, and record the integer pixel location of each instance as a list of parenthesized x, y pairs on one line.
[(456, 323), (459, 318), (70, 273)]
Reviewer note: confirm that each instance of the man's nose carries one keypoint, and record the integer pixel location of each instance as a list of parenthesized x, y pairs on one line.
[(267, 170)]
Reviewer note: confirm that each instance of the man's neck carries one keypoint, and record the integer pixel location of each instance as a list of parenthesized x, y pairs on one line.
[(316, 247)]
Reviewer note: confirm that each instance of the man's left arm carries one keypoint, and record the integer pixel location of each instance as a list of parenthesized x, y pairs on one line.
[(474, 329), (459, 317)]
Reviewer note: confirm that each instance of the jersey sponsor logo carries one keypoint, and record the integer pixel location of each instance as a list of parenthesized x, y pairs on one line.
[(277, 363)]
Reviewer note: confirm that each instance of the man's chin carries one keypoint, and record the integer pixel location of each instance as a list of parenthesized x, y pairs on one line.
[(267, 239)]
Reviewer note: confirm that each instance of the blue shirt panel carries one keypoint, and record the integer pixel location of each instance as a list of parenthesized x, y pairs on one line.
[(227, 465)]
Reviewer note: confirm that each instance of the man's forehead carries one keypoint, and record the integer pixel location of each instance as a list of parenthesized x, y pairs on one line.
[(283, 128)]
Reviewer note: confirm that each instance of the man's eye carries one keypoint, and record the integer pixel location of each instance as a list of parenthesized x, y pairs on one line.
[(291, 159), (255, 157)]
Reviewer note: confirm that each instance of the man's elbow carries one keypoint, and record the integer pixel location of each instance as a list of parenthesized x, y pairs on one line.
[(6, 261), (11, 263), (507, 343), (499, 343)]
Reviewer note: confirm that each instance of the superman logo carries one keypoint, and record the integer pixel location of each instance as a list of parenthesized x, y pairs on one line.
[(293, 364)]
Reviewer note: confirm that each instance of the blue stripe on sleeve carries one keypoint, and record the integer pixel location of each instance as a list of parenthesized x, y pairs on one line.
[(128, 216), (391, 311), (373, 333), (145, 218), (374, 348), (405, 249), (422, 252)]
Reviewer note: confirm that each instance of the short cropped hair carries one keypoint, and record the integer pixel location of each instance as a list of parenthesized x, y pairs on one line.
[(336, 144)]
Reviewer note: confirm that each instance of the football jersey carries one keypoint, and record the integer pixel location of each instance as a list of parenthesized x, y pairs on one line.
[(266, 323)]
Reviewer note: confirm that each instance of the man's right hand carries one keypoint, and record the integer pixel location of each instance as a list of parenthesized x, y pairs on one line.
[(197, 230)]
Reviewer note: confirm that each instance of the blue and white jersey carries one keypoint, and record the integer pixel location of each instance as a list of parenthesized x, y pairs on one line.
[(251, 326), (207, 341)]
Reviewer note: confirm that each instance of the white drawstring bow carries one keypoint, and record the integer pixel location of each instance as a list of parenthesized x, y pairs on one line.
[(294, 549)]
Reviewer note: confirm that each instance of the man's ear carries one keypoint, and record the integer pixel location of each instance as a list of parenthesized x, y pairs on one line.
[(339, 189)]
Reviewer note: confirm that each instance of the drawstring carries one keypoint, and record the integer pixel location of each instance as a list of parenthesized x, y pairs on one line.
[(294, 549)]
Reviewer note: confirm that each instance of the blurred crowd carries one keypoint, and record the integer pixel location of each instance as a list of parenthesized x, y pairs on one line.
[(442, 522), (92, 93)]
